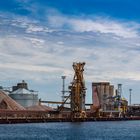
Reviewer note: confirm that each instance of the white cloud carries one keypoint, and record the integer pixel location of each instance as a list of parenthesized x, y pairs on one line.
[(30, 26), (110, 62), (31, 67), (19, 54), (60, 42), (34, 28), (36, 41), (101, 25), (109, 48)]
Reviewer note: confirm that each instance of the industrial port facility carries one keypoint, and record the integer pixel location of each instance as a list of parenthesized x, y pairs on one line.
[(20, 104)]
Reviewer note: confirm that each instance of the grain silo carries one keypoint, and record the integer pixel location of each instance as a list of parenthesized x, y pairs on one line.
[(104, 92), (22, 95)]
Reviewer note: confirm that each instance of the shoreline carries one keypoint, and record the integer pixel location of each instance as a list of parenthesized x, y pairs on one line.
[(45, 120)]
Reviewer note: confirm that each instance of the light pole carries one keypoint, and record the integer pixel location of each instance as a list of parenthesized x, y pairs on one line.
[(130, 92), (119, 95), (63, 87)]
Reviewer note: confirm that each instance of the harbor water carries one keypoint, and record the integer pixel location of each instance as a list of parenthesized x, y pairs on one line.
[(114, 130)]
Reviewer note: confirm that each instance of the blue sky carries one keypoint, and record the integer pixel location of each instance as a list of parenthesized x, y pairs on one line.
[(40, 39)]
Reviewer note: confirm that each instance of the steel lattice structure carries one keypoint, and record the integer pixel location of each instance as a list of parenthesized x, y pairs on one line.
[(78, 90)]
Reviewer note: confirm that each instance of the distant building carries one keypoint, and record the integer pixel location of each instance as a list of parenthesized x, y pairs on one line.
[(22, 95), (102, 92)]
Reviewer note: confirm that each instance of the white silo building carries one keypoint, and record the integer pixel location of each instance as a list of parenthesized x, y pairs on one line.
[(22, 95)]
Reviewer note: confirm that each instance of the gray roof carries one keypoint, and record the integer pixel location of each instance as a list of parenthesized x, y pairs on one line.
[(21, 91)]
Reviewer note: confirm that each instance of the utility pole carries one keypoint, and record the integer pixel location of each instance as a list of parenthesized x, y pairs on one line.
[(130, 92)]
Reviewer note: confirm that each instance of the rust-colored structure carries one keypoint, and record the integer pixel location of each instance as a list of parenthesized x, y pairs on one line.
[(77, 91), (102, 92)]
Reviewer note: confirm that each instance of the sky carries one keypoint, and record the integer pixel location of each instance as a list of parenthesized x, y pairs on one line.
[(40, 40)]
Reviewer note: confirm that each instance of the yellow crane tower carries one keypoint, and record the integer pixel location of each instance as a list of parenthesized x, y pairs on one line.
[(77, 91)]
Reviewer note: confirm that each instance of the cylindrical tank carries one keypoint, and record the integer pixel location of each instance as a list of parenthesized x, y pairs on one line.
[(111, 90), (25, 100), (107, 89), (23, 96)]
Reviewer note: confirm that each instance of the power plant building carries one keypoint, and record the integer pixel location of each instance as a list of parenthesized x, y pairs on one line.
[(22, 95)]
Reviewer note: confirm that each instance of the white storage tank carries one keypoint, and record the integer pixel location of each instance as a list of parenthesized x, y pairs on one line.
[(23, 96)]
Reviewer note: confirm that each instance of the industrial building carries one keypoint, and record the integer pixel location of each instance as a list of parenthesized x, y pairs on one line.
[(22, 95), (101, 95), (107, 102)]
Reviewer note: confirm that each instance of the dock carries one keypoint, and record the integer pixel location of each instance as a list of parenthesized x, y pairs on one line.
[(49, 120)]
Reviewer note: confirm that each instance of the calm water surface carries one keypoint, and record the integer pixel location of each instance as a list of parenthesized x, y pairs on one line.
[(119, 130)]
